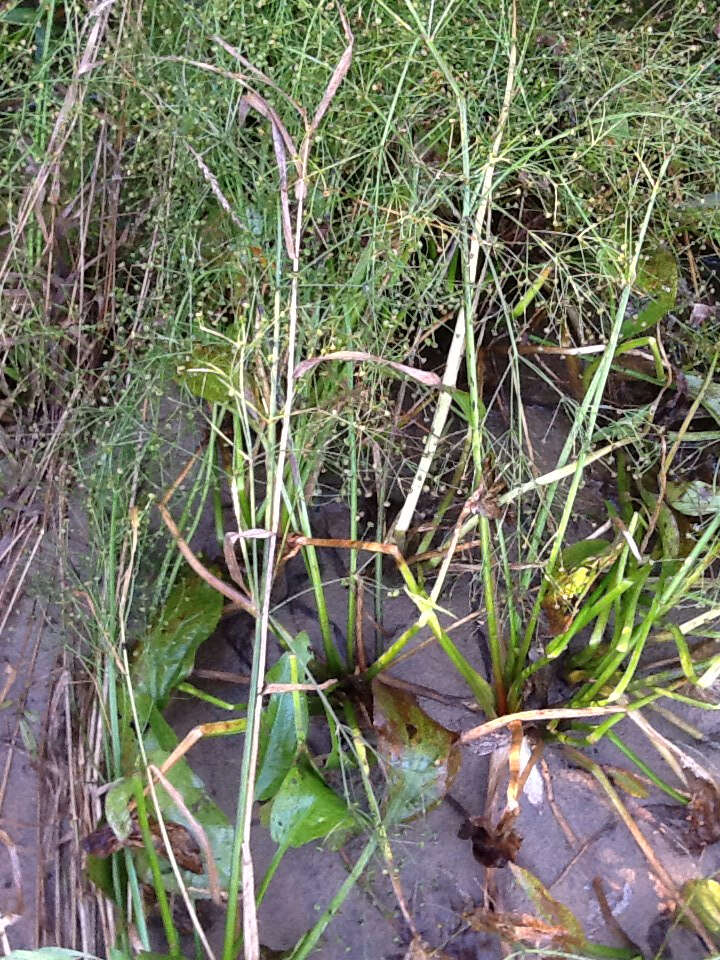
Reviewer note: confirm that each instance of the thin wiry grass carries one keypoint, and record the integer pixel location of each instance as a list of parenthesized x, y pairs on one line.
[(156, 268)]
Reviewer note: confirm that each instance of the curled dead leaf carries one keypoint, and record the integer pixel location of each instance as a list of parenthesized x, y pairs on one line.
[(492, 846), (484, 501), (425, 377), (518, 928), (703, 815), (103, 843)]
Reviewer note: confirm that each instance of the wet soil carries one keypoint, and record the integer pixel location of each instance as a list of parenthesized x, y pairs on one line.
[(570, 838), (571, 835)]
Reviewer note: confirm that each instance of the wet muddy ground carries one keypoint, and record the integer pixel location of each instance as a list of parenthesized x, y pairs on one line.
[(571, 835), (569, 839)]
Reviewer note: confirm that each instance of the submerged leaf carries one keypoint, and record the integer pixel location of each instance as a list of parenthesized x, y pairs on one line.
[(551, 910), (306, 809), (279, 724), (207, 373), (165, 657), (421, 757), (693, 498)]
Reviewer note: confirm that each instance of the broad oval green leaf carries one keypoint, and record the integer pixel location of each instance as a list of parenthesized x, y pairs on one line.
[(49, 953), (582, 552), (657, 278), (99, 871), (693, 498), (165, 657), (282, 724), (422, 758), (160, 740), (21, 15), (117, 812), (306, 809)]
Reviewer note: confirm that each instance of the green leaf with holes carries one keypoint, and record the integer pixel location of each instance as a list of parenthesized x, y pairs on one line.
[(657, 279), (420, 756)]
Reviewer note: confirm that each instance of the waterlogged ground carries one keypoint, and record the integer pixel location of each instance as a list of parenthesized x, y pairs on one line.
[(571, 836)]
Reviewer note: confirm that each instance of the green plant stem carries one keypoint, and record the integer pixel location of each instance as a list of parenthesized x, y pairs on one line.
[(586, 419), (313, 568), (585, 616), (627, 640), (137, 900), (307, 944), (217, 508), (692, 567), (450, 496), (267, 879), (497, 657), (171, 934), (380, 828), (393, 652), (271, 521), (193, 691), (300, 731), (353, 583), (648, 771)]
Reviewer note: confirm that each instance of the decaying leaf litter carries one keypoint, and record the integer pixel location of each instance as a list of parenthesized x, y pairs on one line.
[(404, 392)]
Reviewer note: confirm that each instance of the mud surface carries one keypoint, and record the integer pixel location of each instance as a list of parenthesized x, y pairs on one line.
[(569, 838)]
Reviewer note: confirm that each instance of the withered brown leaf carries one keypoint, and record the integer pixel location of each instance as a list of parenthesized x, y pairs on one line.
[(103, 843), (703, 814), (518, 928), (492, 846)]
